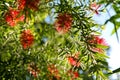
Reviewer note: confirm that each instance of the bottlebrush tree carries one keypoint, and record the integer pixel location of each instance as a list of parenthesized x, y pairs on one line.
[(52, 40)]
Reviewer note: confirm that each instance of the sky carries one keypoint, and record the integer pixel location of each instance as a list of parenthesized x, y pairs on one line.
[(110, 39), (113, 53)]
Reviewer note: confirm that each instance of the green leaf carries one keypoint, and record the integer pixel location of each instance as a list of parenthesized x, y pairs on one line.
[(5, 57), (102, 46), (116, 8), (102, 75), (115, 71), (116, 27)]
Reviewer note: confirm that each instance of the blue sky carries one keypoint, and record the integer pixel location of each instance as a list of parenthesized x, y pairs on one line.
[(110, 39), (114, 53)]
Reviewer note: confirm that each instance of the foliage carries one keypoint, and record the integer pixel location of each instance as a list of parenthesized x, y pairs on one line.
[(66, 47)]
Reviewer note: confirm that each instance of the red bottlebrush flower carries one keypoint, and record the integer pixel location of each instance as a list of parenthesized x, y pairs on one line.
[(21, 4), (96, 40), (101, 41), (10, 21), (94, 7), (73, 61), (63, 22), (73, 74), (32, 4), (33, 69), (26, 39), (34, 73), (98, 50), (54, 71), (13, 17), (76, 74)]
